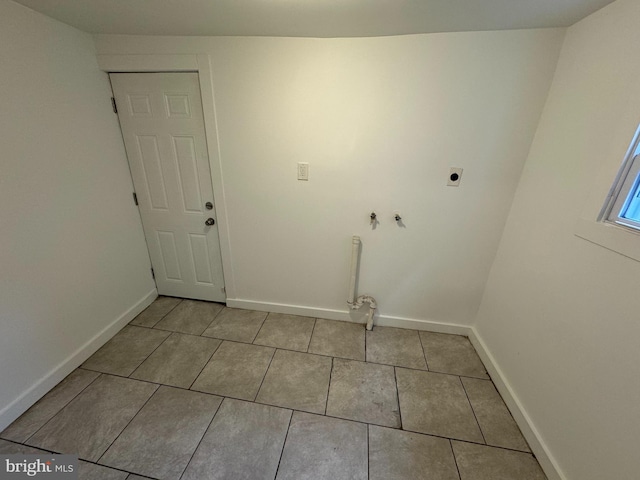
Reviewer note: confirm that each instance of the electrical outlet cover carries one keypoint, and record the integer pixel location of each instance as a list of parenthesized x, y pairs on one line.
[(455, 175)]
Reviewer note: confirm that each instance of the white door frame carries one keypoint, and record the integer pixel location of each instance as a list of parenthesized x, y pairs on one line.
[(201, 64)]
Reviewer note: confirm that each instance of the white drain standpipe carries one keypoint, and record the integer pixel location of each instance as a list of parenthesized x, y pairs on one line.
[(352, 301)]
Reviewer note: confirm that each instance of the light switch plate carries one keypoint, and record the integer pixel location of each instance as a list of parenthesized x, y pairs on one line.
[(303, 171)]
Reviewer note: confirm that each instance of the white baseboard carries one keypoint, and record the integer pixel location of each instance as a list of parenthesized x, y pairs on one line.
[(289, 309), (350, 316), (426, 325), (18, 406), (531, 434)]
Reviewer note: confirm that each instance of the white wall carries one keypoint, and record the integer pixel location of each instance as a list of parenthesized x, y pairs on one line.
[(380, 121), (72, 255), (560, 314)]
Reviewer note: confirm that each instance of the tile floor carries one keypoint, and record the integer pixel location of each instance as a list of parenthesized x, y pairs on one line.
[(197, 391)]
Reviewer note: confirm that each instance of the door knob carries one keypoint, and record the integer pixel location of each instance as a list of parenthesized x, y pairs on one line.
[(209, 221)]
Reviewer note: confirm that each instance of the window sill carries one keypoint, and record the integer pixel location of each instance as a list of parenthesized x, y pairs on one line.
[(610, 236)]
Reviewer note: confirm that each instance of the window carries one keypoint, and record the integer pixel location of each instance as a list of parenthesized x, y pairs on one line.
[(623, 202)]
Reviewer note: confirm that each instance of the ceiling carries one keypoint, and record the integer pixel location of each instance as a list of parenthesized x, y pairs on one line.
[(311, 18)]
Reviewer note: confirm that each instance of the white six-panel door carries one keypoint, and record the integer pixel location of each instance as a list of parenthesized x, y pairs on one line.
[(163, 129)]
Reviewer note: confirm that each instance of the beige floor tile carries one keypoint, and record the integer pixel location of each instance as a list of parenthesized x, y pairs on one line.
[(395, 346), (320, 447), (156, 311), (91, 471), (178, 361), (338, 339), (290, 332), (436, 404), (93, 420), (236, 370), (497, 425), (190, 316), (139, 430), (244, 441), (11, 448), (54, 401), (297, 380), (452, 354), (126, 350), (480, 462), (236, 325), (398, 455), (364, 392), (161, 439)]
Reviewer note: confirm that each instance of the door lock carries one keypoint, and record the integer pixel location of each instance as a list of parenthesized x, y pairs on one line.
[(208, 206), (210, 221)]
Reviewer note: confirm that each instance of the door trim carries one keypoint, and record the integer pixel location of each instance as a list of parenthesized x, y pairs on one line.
[(201, 64)]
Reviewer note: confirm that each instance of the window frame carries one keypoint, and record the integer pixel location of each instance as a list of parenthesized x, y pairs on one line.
[(592, 224), (627, 180)]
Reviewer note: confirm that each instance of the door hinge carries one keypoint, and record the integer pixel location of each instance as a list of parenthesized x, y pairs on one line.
[(135, 198), (153, 274), (113, 104)]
